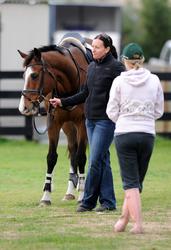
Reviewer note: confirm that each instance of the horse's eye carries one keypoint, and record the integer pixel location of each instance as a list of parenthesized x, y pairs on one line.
[(34, 76)]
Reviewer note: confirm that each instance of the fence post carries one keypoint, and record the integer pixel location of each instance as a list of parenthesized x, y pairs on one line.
[(28, 128)]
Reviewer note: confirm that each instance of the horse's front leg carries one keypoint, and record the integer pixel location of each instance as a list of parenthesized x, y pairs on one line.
[(52, 156)]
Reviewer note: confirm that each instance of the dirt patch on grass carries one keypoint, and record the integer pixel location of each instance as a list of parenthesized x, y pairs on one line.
[(101, 225)]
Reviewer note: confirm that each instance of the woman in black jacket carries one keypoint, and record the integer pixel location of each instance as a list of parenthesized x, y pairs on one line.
[(100, 130)]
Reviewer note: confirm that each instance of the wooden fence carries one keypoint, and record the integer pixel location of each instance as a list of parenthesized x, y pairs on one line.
[(165, 77), (27, 129)]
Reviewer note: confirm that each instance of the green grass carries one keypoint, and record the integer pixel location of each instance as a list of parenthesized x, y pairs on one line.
[(26, 226)]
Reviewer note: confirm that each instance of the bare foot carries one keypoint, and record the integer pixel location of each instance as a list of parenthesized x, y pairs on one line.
[(137, 230), (121, 225)]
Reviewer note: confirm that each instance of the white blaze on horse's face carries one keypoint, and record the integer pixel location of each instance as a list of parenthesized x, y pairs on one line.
[(27, 73), (26, 109)]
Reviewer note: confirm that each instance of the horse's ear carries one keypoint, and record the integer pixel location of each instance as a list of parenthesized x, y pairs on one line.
[(23, 55), (37, 54)]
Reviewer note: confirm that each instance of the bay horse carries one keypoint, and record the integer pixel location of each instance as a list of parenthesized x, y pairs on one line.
[(58, 71)]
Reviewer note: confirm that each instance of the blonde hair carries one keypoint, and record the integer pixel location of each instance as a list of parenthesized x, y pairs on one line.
[(134, 63)]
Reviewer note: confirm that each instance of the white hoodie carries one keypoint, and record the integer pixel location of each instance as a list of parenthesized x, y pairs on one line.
[(136, 101)]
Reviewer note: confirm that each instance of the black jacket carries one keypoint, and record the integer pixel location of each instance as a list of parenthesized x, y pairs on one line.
[(96, 90)]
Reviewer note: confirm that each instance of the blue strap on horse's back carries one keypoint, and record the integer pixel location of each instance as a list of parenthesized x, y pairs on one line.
[(89, 55)]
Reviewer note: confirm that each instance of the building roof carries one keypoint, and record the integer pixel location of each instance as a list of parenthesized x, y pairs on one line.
[(23, 1), (87, 2), (67, 2)]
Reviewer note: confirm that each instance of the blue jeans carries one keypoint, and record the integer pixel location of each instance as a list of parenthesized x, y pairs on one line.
[(99, 181)]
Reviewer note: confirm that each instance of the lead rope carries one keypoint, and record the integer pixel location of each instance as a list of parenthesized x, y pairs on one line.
[(50, 118)]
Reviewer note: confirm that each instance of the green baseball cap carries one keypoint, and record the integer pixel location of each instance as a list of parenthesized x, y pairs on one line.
[(132, 51)]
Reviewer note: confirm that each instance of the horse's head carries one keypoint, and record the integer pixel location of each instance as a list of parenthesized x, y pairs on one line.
[(33, 65), (35, 74), (50, 71)]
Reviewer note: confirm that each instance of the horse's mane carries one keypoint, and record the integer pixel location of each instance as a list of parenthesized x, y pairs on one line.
[(46, 48)]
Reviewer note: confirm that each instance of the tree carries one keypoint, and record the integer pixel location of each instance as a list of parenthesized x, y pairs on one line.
[(131, 25), (156, 22)]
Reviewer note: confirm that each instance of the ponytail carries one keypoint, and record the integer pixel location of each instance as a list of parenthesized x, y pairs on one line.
[(114, 52)]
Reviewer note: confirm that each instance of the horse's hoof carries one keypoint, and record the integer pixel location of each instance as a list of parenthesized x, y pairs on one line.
[(44, 203), (68, 197)]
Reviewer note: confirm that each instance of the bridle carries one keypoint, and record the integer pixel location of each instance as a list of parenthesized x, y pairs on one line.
[(40, 95), (39, 92), (40, 89)]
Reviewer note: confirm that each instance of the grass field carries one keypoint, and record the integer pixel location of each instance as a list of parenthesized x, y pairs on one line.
[(26, 226)]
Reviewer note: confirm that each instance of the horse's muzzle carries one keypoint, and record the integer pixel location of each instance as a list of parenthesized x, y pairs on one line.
[(31, 109)]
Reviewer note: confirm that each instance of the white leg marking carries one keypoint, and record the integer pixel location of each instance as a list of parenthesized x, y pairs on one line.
[(46, 196), (71, 188), (81, 182), (81, 186), (80, 197), (48, 175)]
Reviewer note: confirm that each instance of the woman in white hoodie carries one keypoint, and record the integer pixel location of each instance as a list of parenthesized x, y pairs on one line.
[(136, 101)]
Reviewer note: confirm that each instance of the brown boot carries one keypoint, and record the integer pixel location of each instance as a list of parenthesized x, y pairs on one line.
[(134, 208), (124, 219)]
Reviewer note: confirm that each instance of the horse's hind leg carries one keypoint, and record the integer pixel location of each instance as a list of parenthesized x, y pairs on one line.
[(52, 156), (71, 134), (81, 175), (77, 142), (81, 157)]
